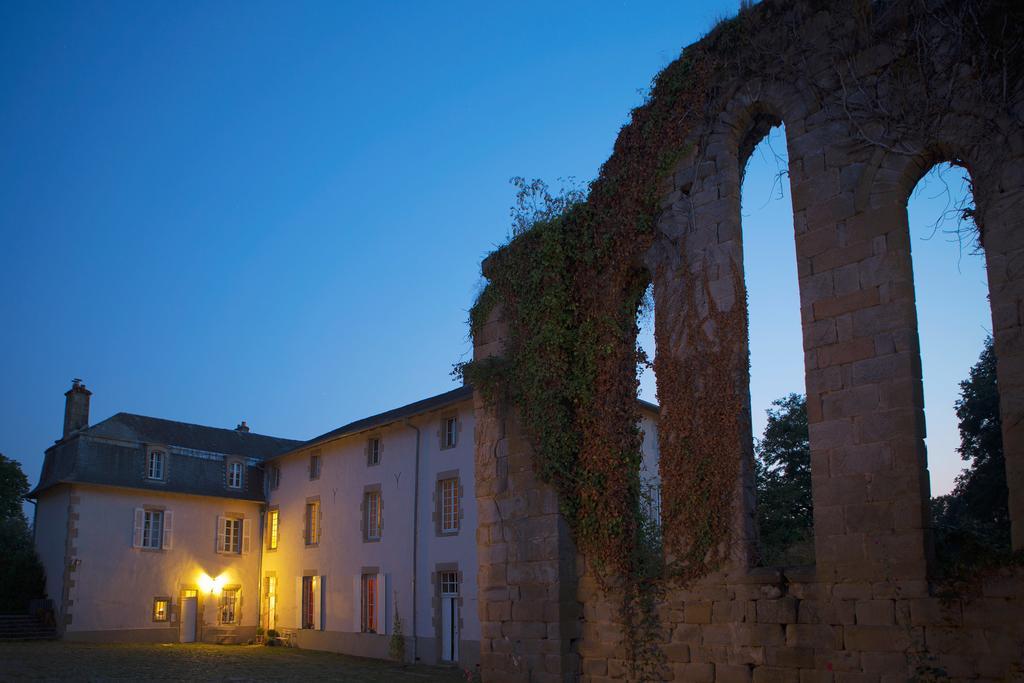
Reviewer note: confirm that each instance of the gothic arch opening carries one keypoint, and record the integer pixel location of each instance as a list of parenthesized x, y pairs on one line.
[(784, 508), (962, 435)]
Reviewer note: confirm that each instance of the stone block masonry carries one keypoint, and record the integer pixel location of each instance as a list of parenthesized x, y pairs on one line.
[(866, 116)]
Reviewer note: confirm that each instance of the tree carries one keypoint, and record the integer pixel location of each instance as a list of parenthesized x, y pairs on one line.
[(972, 523), (982, 484), (785, 514), (21, 572), (13, 488)]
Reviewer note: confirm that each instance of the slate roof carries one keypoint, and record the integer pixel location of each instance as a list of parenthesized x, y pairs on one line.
[(113, 452), (154, 430), (463, 393)]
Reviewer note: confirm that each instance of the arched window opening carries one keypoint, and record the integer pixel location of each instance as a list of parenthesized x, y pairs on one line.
[(784, 510), (962, 427), (650, 480)]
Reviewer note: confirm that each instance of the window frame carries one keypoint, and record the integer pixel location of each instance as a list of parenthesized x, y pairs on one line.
[(315, 465), (147, 529), (373, 451), (449, 432), (274, 475), (447, 578), (229, 520), (230, 469), (236, 592), (448, 519), (312, 527), (167, 609), (307, 610), (150, 453), (374, 495), (369, 603), (273, 528)]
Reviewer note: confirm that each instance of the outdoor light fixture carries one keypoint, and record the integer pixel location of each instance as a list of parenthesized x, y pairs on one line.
[(209, 585)]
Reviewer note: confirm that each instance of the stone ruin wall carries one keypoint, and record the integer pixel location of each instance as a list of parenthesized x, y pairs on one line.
[(867, 611)]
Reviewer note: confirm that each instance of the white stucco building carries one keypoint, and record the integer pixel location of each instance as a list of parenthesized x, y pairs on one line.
[(164, 531)]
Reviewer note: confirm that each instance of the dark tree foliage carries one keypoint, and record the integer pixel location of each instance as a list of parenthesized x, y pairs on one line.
[(972, 523), (21, 573), (13, 488), (785, 511)]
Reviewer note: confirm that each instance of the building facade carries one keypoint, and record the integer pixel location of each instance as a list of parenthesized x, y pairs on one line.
[(375, 523), (163, 531), (149, 529)]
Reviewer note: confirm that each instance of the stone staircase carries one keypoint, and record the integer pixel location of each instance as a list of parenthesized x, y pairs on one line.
[(24, 627)]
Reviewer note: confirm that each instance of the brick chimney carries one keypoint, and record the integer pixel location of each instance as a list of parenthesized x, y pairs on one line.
[(76, 407), (242, 427)]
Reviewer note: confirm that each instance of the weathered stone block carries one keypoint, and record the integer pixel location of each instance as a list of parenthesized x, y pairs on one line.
[(876, 613)]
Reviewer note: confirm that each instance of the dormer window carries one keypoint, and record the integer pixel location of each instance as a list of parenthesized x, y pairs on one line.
[(234, 475), (155, 461)]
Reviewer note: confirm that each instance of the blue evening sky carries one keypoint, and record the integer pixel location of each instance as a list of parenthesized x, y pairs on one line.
[(276, 211)]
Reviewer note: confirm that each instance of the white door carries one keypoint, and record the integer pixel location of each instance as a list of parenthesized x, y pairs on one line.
[(189, 610), (450, 628)]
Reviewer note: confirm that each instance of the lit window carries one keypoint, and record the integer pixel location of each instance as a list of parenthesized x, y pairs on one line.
[(373, 452), (449, 432), (161, 608), (312, 533), (272, 523), (228, 605), (314, 465), (372, 512), (450, 505), (152, 529), (235, 475), (368, 603), (155, 465), (231, 535)]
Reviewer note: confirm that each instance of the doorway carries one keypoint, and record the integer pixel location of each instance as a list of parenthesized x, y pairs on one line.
[(449, 616), (271, 602), (189, 614)]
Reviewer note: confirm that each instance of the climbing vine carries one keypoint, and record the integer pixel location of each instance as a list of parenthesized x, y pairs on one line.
[(571, 279)]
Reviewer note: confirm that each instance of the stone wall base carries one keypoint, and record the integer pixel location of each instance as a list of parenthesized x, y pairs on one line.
[(770, 625)]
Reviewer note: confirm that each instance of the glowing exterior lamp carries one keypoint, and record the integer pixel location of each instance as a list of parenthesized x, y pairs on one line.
[(209, 585)]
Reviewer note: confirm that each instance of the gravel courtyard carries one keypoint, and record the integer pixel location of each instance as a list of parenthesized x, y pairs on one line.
[(60, 661)]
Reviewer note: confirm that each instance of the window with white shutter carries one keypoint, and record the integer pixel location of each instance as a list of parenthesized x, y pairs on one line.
[(230, 532), (368, 603), (148, 531), (246, 535), (137, 528), (168, 539)]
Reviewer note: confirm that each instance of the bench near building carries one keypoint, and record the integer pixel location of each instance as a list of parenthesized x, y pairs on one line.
[(161, 531)]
